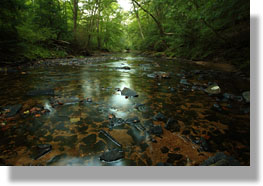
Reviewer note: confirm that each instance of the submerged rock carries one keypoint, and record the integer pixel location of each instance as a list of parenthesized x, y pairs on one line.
[(164, 150), (112, 155), (184, 82), (157, 130), (172, 125), (159, 117), (41, 150), (204, 146), (173, 157), (220, 159), (133, 120), (12, 110), (128, 92), (41, 92), (115, 122), (90, 140), (108, 138)]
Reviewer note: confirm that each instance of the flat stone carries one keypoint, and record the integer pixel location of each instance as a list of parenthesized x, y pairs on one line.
[(159, 117), (128, 92), (13, 110), (112, 155), (100, 146), (164, 150), (41, 150), (90, 140), (172, 125), (213, 89), (173, 157), (157, 130)]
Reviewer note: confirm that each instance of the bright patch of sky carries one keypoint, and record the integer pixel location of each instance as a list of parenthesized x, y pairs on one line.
[(125, 4)]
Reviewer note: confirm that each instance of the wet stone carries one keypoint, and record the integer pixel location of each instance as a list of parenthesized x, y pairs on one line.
[(228, 96), (184, 82), (136, 135), (116, 122), (12, 110), (89, 100), (67, 140), (172, 125), (177, 149), (148, 124), (100, 146), (133, 120), (217, 107), (111, 142), (144, 146), (90, 140), (48, 138), (159, 117), (203, 144), (62, 127), (112, 155), (213, 89), (128, 92), (56, 159), (181, 163), (157, 130), (173, 157), (41, 150), (164, 150)]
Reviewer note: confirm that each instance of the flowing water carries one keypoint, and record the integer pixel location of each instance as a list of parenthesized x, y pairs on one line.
[(76, 107)]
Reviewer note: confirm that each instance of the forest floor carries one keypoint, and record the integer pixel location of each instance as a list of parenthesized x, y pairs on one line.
[(124, 109)]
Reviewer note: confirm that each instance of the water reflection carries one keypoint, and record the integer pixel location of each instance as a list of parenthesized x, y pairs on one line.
[(72, 127)]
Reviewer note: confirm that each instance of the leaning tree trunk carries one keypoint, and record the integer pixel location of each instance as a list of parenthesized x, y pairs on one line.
[(158, 23), (138, 19)]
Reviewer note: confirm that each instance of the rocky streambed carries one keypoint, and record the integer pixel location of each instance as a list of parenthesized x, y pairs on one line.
[(123, 110)]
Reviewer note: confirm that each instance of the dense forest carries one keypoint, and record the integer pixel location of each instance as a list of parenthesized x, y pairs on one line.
[(125, 83), (192, 29)]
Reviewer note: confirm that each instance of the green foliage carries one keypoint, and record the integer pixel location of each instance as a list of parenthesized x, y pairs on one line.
[(194, 29)]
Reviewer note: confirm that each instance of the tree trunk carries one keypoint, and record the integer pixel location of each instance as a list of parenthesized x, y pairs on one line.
[(158, 23), (138, 19), (75, 17), (98, 26)]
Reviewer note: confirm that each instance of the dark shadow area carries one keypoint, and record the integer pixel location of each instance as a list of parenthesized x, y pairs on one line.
[(115, 174)]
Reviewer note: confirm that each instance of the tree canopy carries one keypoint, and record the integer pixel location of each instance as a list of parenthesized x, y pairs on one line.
[(192, 29)]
